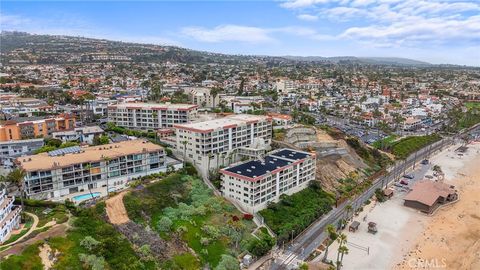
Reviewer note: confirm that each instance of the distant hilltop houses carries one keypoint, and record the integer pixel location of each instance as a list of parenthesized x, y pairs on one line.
[(131, 110)]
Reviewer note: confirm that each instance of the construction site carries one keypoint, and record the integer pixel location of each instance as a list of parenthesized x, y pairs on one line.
[(336, 160)]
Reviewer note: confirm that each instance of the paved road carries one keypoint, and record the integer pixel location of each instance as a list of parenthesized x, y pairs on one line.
[(314, 235)]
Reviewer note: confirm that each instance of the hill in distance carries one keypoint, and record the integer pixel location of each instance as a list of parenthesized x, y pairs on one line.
[(48, 44)]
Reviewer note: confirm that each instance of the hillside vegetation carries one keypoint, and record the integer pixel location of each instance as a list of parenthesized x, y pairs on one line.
[(294, 213)]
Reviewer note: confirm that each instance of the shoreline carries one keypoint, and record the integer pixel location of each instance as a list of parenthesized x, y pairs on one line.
[(451, 237)]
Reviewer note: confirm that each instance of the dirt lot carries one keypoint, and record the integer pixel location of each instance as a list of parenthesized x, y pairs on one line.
[(116, 212)]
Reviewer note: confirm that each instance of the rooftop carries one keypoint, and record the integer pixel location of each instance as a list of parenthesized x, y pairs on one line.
[(276, 160), (231, 120), (154, 105), (44, 161), (427, 192), (290, 154)]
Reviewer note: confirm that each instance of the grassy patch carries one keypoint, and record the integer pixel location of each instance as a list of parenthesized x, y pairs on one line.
[(59, 213), (374, 158), (385, 142), (185, 261), (27, 260), (472, 105), (294, 213), (406, 146)]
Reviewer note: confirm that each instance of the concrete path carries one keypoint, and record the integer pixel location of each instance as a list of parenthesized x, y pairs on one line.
[(57, 230), (34, 226)]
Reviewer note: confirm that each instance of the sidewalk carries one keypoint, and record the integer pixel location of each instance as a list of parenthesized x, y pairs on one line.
[(34, 226)]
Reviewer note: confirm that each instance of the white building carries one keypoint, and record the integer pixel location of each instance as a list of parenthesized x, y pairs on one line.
[(211, 143), (9, 214), (149, 116), (81, 134), (412, 124), (254, 184), (284, 86), (10, 150), (202, 97), (75, 170)]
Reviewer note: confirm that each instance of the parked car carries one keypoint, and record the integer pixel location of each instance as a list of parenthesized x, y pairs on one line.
[(409, 176), (403, 182), (425, 162)]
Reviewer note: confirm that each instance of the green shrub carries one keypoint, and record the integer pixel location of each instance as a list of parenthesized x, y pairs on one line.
[(294, 213)]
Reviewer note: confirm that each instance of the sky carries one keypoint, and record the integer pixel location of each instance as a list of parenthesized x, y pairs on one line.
[(436, 31)]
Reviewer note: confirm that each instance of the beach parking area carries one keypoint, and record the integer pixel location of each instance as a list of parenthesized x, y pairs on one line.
[(407, 239)]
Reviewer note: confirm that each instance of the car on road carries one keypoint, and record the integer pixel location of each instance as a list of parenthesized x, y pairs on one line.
[(409, 176), (424, 162)]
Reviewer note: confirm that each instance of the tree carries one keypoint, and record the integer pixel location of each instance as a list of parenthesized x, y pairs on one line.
[(107, 161), (332, 236), (348, 208), (16, 177), (214, 93), (92, 261), (228, 262), (100, 140), (342, 240), (89, 243), (184, 152), (164, 224), (88, 167), (303, 266)]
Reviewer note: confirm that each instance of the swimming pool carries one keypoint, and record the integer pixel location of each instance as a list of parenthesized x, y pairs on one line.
[(86, 196)]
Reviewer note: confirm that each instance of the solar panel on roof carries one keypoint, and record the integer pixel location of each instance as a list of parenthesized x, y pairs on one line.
[(67, 150)]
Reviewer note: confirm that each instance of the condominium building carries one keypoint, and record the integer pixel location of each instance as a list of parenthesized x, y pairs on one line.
[(150, 115), (211, 143), (10, 150), (82, 134), (12, 130), (62, 172), (9, 214), (254, 184), (202, 97)]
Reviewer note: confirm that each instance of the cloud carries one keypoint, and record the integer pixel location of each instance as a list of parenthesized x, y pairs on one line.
[(228, 33), (307, 17), (295, 4), (240, 33), (399, 22), (419, 30), (12, 20)]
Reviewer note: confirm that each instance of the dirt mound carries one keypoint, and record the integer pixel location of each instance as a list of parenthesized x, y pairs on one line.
[(339, 162)]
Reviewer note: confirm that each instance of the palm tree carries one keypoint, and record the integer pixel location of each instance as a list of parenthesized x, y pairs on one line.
[(332, 235), (184, 153), (16, 177), (88, 167), (343, 250), (348, 208), (107, 160), (217, 157), (342, 240)]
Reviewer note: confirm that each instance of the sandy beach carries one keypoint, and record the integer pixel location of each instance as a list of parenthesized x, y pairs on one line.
[(409, 239), (451, 239)]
